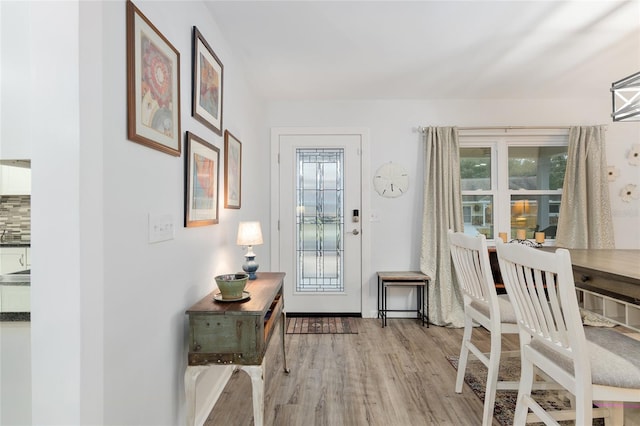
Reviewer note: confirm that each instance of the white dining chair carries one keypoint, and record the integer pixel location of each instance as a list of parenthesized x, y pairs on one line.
[(482, 306), (596, 365)]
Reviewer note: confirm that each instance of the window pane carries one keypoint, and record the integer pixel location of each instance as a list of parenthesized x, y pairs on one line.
[(535, 213), (475, 168), (478, 214), (537, 167)]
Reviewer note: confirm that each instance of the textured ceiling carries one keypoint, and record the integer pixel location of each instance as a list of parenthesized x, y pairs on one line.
[(431, 49)]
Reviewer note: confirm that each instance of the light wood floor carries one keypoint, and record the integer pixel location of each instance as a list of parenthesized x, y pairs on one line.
[(391, 376)]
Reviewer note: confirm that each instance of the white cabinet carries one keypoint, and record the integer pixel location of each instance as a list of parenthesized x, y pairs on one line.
[(15, 180), (13, 259), (615, 310), (15, 298)]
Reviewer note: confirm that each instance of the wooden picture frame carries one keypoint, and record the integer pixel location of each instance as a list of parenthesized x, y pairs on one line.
[(153, 85), (232, 171), (202, 166), (208, 73)]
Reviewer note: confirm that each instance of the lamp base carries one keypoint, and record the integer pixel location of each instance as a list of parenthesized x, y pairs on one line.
[(250, 266)]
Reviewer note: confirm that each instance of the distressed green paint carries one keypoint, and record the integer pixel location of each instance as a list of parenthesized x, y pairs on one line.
[(234, 333)]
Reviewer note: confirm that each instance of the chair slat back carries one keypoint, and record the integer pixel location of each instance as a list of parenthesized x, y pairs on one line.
[(471, 261), (541, 288)]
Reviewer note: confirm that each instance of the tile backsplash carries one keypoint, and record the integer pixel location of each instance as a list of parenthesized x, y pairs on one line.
[(15, 217)]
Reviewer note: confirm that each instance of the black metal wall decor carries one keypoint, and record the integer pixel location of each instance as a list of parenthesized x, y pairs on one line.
[(625, 97)]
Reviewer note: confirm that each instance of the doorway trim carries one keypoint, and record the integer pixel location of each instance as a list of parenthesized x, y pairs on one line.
[(365, 184)]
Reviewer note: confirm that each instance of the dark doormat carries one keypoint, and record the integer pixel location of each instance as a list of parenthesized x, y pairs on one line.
[(322, 325)]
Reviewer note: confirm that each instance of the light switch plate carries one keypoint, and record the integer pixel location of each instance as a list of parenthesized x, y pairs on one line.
[(161, 227)]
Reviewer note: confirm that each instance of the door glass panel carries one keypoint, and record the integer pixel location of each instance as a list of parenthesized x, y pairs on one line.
[(319, 220)]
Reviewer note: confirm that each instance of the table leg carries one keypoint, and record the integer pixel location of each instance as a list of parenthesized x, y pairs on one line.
[(382, 312), (426, 289), (284, 331), (190, 379), (422, 312), (379, 299), (422, 304), (256, 372), (418, 296), (384, 305)]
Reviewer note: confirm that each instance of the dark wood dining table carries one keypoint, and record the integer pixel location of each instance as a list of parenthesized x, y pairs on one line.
[(614, 273)]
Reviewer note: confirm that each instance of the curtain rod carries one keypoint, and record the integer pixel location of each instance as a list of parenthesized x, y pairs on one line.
[(421, 129)]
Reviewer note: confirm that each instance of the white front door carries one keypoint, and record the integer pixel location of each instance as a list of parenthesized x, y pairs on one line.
[(319, 237)]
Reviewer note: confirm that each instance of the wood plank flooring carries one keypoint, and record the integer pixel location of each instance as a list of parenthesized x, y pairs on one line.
[(397, 375)]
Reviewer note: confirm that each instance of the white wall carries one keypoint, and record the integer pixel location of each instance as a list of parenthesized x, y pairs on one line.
[(396, 236), (148, 287), (15, 143), (108, 323), (53, 97), (108, 329), (15, 374), (15, 58)]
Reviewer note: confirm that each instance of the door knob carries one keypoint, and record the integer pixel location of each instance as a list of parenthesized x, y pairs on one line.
[(355, 232)]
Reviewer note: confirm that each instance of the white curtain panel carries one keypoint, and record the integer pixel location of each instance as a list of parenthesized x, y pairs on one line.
[(442, 211), (585, 210)]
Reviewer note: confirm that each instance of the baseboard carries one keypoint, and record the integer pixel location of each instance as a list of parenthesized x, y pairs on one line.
[(210, 386), (324, 315), (372, 314)]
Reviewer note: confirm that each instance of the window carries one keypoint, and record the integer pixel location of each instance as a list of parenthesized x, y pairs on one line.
[(512, 182)]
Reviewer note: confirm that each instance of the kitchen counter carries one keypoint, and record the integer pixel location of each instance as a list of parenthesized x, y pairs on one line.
[(16, 278), (15, 244), (14, 296), (15, 316), (7, 280)]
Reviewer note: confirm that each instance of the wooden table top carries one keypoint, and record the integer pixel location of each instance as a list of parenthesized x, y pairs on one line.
[(262, 291), (403, 276), (624, 263)]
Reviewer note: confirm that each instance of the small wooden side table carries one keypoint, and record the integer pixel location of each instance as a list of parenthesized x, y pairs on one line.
[(236, 333), (415, 279)]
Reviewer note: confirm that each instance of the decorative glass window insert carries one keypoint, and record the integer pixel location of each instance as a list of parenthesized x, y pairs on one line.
[(319, 220)]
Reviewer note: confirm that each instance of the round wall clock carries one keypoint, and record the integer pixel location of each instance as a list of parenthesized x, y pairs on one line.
[(391, 180)]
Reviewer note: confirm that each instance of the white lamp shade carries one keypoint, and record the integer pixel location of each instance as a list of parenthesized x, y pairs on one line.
[(249, 234)]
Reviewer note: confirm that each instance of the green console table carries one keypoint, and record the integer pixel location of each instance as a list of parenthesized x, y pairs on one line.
[(235, 333)]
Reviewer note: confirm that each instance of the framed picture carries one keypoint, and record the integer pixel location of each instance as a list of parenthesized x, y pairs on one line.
[(232, 171), (207, 84), (201, 182), (153, 85)]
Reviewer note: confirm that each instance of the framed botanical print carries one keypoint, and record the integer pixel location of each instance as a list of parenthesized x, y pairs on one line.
[(201, 182), (232, 171), (153, 85), (207, 84)]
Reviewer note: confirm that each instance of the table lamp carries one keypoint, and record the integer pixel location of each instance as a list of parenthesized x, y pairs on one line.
[(249, 235)]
